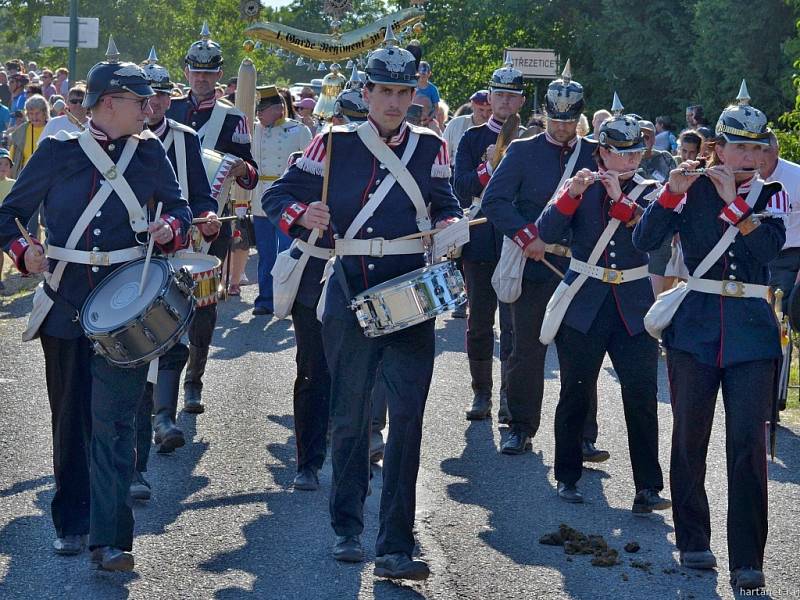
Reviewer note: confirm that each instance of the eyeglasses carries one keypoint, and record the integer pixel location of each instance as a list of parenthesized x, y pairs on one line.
[(75, 100), (143, 103)]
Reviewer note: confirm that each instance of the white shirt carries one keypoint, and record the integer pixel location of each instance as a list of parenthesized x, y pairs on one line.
[(788, 173), (56, 124), (454, 132)]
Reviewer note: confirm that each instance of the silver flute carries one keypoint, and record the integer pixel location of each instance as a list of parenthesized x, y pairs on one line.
[(596, 176), (702, 171)]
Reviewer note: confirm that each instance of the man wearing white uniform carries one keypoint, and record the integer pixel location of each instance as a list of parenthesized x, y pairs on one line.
[(479, 101), (275, 138)]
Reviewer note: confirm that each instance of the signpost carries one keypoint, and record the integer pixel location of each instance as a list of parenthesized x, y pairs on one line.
[(535, 63), (70, 32)]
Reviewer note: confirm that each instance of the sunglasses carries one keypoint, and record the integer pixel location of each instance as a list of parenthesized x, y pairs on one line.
[(143, 103), (75, 100)]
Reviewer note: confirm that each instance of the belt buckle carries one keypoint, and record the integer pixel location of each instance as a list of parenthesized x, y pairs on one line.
[(612, 276), (733, 289), (100, 259), (378, 253)]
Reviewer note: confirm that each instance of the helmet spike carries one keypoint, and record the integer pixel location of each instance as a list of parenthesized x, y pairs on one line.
[(152, 58), (743, 98), (616, 106), (355, 79), (390, 39), (507, 62), (112, 54), (566, 74), (205, 34)]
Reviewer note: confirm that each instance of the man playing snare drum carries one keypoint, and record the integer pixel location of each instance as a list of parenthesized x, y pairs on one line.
[(93, 403), (406, 356)]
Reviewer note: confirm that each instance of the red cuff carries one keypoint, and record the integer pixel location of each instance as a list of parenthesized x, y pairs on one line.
[(249, 181), (526, 235), (566, 204), (623, 209), (207, 238), (734, 211), (290, 216), (483, 174), (177, 242), (17, 253), (669, 200)]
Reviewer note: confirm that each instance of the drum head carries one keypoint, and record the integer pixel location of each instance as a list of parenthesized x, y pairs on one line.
[(195, 262), (117, 300)]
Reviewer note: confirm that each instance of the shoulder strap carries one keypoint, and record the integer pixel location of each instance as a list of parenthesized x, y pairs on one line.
[(729, 235), (378, 195), (180, 159), (397, 168), (114, 177), (612, 226), (214, 126), (569, 168)]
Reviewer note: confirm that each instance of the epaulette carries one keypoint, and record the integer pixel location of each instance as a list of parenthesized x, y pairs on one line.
[(345, 128), (146, 135), (226, 102), (423, 130), (65, 136), (173, 124)]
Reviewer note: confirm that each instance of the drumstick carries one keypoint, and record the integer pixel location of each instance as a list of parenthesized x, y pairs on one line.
[(149, 251), (326, 174), (24, 232), (419, 234), (201, 220), (550, 266)]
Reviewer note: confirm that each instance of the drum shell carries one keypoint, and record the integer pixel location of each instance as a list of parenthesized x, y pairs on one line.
[(206, 280), (153, 331), (410, 299)]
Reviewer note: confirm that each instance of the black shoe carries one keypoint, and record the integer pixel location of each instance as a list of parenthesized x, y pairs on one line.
[(348, 548), (108, 558), (306, 480), (400, 566), (646, 501), (569, 493), (192, 400), (518, 442), (69, 545), (166, 434), (262, 310), (165, 405), (481, 407), (698, 559), (460, 311), (140, 488), (592, 454), (747, 579)]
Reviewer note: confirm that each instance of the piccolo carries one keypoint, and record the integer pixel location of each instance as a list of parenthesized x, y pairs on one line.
[(702, 171), (597, 176), (201, 220)]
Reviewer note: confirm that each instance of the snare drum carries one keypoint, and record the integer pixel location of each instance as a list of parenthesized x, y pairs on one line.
[(409, 299), (205, 271), (218, 168), (130, 329)]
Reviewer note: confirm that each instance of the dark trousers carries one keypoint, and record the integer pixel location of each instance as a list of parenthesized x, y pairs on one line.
[(483, 305), (312, 389), (69, 390), (114, 394), (635, 359), (406, 359), (746, 390)]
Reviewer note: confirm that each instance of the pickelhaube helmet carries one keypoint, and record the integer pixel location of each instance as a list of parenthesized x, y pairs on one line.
[(743, 123), (205, 54), (157, 75), (350, 104), (112, 76), (620, 133), (355, 81), (507, 79), (391, 65), (564, 98)]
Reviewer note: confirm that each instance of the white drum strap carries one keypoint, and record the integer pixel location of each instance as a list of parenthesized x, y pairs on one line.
[(180, 159), (115, 178), (397, 168), (209, 133), (91, 209)]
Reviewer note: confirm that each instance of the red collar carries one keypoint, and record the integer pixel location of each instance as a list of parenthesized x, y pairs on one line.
[(97, 133), (204, 105), (159, 129), (394, 140), (553, 141), (494, 125)]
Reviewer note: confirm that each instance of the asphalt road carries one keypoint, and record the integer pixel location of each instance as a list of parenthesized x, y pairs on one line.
[(224, 523)]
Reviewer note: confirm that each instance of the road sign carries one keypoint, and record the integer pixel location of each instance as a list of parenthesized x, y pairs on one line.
[(55, 32), (535, 63)]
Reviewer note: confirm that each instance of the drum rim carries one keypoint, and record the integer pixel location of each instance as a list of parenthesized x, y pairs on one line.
[(82, 316), (445, 265)]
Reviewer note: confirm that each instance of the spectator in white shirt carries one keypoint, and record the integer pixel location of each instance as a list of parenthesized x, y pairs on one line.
[(481, 111), (75, 117)]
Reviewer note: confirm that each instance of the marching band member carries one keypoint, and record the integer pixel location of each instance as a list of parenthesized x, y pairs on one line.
[(275, 138), (93, 403), (161, 400), (405, 356), (607, 311), (473, 170), (513, 200), (221, 127), (723, 334)]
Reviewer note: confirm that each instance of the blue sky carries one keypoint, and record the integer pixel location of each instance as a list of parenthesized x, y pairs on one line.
[(276, 3)]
